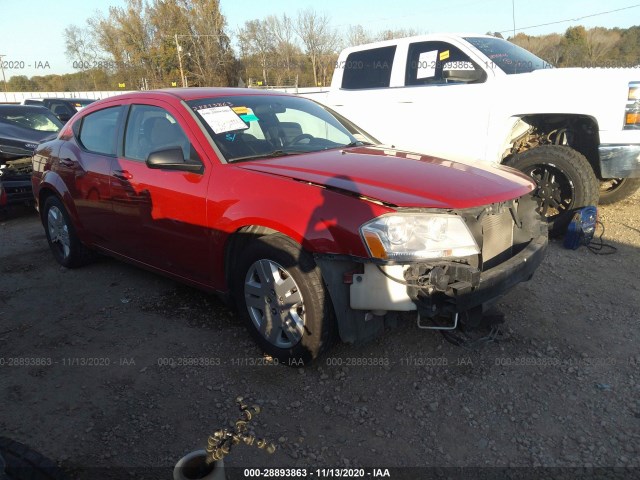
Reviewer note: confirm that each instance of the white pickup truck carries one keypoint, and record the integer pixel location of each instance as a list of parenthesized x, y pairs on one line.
[(576, 131)]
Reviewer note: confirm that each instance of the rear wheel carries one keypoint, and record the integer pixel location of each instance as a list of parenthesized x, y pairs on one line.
[(279, 292), (565, 182), (615, 189), (61, 235)]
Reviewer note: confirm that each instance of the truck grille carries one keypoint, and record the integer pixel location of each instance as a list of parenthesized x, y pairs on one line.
[(497, 238)]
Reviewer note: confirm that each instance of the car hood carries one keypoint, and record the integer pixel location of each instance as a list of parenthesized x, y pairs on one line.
[(398, 178), (20, 142)]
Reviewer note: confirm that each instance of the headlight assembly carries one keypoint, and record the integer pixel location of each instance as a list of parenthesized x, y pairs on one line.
[(408, 237)]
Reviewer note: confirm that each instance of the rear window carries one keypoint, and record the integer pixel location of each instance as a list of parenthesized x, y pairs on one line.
[(98, 131), (33, 119), (368, 68)]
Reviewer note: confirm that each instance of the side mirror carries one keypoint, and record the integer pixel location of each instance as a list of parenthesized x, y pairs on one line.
[(172, 159)]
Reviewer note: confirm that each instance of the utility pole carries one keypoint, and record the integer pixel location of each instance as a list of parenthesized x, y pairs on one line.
[(179, 48), (4, 81), (513, 15)]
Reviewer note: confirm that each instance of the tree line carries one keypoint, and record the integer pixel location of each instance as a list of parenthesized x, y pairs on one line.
[(163, 43), (581, 47)]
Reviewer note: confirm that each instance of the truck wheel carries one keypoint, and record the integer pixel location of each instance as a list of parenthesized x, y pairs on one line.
[(280, 294), (61, 235), (615, 189), (565, 182)]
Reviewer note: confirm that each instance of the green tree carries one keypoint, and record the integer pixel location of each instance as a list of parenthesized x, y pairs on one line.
[(574, 46)]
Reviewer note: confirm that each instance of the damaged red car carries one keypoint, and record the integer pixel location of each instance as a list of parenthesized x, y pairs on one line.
[(314, 230)]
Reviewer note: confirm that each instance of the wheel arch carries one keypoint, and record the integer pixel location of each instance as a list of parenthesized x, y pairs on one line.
[(237, 242), (583, 134), (52, 184)]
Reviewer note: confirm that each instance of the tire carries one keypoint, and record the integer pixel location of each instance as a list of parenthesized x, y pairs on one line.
[(565, 182), (61, 235), (613, 190), (298, 298), (22, 463)]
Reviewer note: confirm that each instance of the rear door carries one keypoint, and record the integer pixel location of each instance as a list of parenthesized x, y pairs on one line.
[(161, 214), (84, 164)]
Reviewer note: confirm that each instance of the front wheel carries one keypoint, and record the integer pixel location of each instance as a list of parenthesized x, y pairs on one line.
[(565, 182), (279, 292), (615, 189)]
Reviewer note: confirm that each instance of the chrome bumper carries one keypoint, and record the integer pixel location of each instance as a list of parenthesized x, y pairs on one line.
[(619, 161)]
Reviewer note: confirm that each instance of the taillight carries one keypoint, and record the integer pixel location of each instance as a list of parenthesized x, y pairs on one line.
[(632, 112), (3, 196)]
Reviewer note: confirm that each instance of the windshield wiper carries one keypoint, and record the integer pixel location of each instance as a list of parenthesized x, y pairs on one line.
[(275, 153), (357, 143)]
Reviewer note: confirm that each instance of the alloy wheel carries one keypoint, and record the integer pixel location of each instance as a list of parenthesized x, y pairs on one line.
[(275, 303)]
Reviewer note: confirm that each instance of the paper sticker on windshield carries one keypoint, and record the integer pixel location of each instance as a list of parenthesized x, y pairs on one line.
[(222, 119), (241, 110), (427, 64), (444, 55)]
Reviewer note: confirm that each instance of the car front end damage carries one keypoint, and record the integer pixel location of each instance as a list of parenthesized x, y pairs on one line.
[(15, 182), (509, 243)]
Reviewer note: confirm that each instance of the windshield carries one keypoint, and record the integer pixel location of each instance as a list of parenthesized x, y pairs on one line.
[(252, 126), (510, 58), (41, 120)]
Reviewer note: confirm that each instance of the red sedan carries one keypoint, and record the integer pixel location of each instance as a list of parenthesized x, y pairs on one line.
[(290, 209)]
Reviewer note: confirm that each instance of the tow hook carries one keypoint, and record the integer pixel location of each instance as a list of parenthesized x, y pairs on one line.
[(468, 329), (435, 327)]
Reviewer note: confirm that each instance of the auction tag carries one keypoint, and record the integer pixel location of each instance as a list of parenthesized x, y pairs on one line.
[(444, 55), (427, 64), (222, 119)]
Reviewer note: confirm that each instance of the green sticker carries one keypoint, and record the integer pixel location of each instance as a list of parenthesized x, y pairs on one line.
[(249, 118)]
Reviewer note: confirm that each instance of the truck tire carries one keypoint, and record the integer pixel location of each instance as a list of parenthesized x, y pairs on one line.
[(281, 296), (613, 190), (565, 182), (23, 463)]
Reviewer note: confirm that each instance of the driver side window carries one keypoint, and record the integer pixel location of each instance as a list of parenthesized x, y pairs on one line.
[(150, 129), (440, 63)]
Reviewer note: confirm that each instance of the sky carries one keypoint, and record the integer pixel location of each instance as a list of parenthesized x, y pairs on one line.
[(36, 46)]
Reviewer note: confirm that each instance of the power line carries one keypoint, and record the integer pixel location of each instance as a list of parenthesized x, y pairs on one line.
[(573, 19)]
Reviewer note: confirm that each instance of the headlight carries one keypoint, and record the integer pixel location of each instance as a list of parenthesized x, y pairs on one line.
[(407, 237)]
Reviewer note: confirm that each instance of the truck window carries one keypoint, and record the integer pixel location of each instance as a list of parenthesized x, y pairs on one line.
[(368, 68), (440, 63), (510, 58)]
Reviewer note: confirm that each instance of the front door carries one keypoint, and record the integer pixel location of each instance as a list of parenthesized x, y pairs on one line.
[(161, 213)]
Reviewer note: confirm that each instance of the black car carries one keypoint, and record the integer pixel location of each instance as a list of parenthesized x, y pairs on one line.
[(22, 128), (63, 108)]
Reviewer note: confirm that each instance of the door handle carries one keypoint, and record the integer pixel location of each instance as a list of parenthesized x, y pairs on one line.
[(122, 174), (66, 162)]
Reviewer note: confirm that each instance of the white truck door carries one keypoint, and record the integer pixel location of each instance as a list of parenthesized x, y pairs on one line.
[(445, 103), (429, 97)]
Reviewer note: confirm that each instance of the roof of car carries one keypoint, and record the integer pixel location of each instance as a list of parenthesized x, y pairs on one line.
[(70, 99), (194, 93), (16, 108)]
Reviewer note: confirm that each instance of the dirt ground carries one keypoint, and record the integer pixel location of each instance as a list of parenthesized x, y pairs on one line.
[(85, 376)]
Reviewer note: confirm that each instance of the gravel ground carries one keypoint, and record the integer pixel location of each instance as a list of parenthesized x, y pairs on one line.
[(559, 388)]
